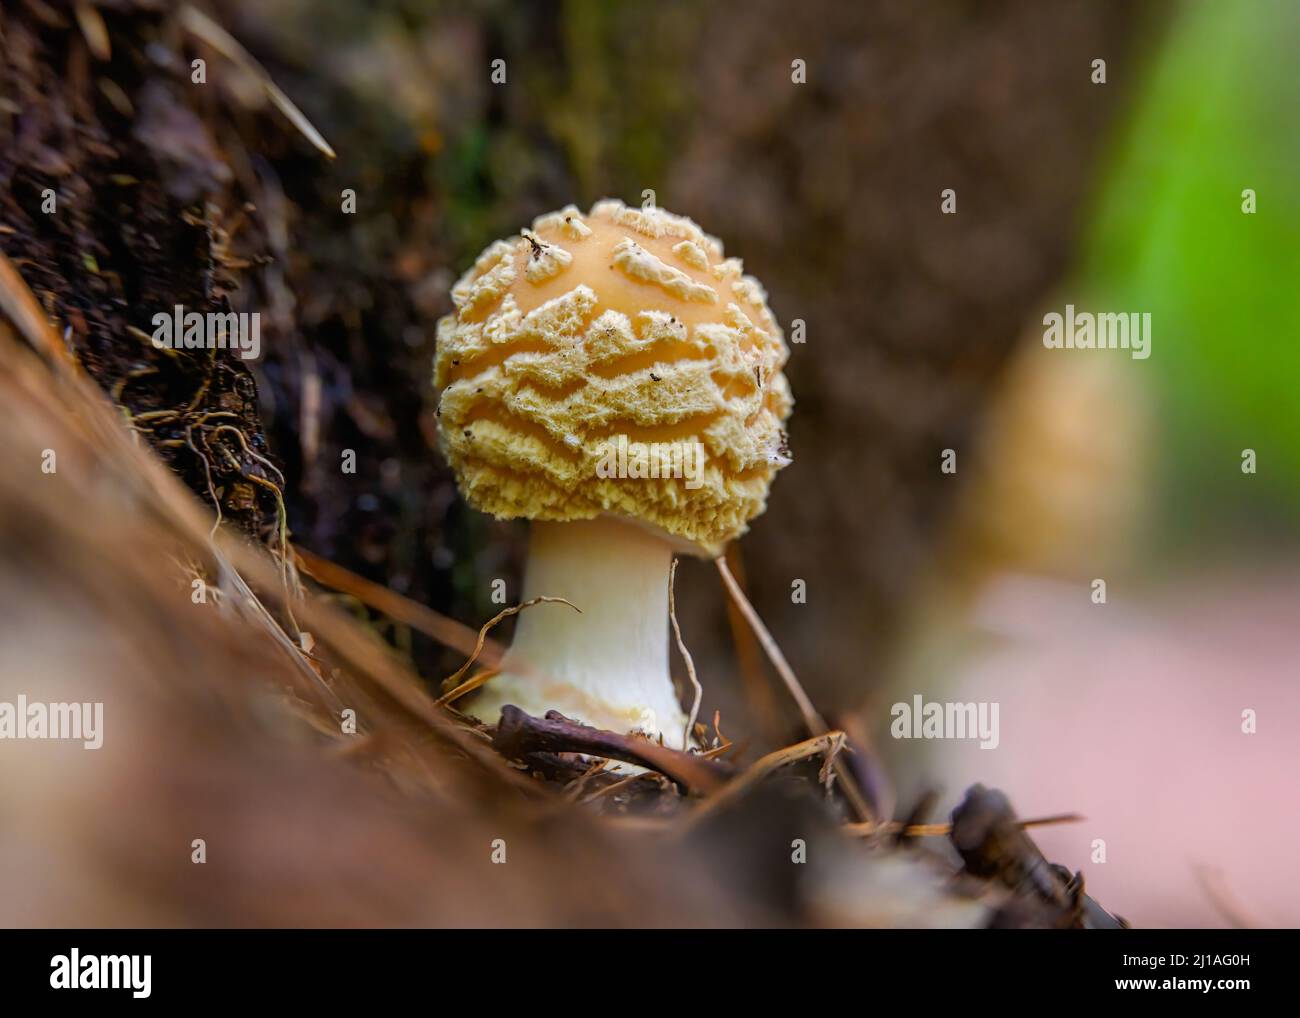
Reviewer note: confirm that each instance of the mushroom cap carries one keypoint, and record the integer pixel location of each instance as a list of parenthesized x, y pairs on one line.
[(614, 363)]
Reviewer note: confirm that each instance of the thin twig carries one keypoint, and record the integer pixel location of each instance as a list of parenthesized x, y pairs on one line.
[(451, 681), (468, 686), (938, 830), (815, 722), (578, 786), (829, 743), (199, 24), (686, 656)]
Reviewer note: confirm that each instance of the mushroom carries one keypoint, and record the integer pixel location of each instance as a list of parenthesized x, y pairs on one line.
[(617, 381)]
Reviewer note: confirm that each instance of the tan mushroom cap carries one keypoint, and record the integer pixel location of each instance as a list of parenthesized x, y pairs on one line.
[(623, 323)]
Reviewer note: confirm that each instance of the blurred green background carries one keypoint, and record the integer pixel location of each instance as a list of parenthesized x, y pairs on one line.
[(1217, 117)]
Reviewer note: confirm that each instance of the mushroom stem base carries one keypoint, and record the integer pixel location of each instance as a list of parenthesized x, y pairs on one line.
[(607, 666)]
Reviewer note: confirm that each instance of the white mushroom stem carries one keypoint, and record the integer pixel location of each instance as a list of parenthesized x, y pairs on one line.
[(607, 666)]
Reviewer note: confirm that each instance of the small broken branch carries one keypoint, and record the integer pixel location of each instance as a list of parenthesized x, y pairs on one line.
[(520, 735), (939, 830)]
